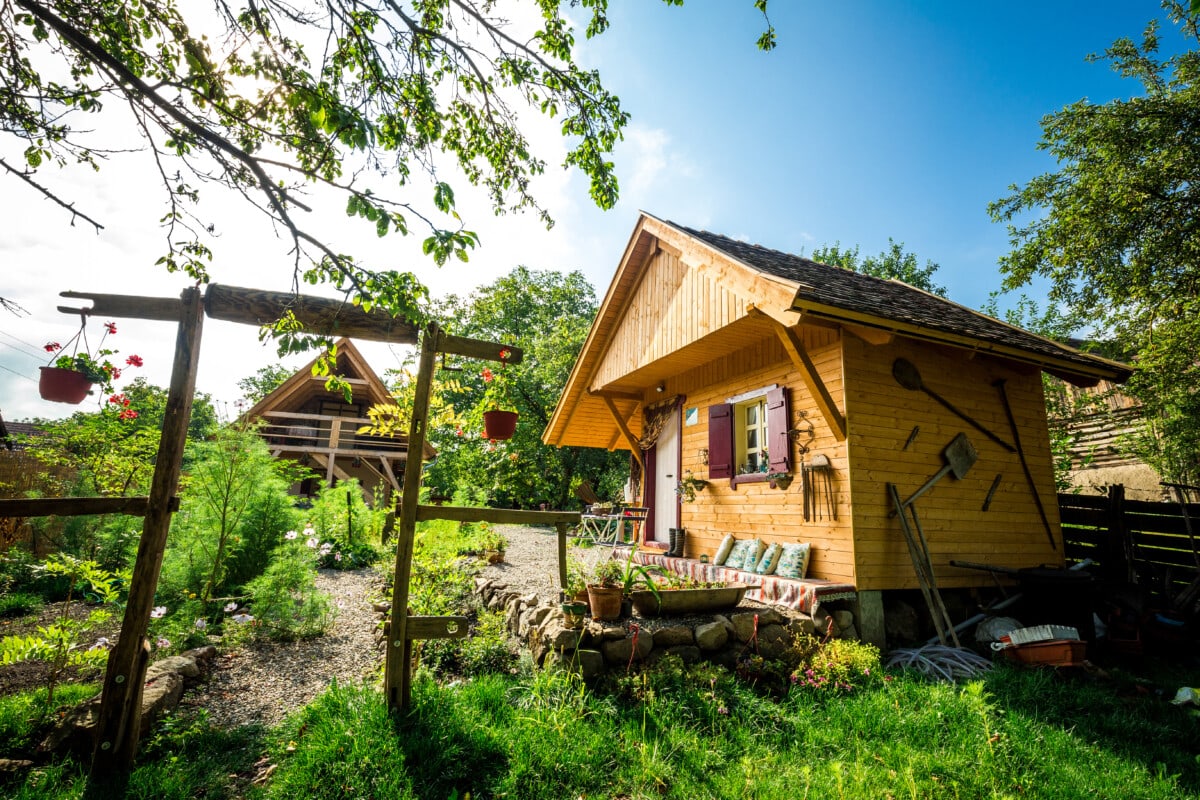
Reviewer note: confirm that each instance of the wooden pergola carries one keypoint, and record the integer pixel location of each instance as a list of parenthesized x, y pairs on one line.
[(117, 728)]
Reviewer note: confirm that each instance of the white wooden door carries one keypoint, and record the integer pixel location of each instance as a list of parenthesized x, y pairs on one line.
[(666, 469)]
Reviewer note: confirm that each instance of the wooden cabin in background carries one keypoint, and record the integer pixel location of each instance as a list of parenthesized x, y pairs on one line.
[(734, 362), (304, 422)]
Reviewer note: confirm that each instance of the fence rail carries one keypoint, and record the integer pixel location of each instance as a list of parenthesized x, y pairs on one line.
[(1135, 540)]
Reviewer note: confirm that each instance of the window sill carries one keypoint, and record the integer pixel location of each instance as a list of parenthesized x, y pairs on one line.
[(750, 477)]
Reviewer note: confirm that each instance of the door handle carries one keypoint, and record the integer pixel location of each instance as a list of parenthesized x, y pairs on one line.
[(670, 476)]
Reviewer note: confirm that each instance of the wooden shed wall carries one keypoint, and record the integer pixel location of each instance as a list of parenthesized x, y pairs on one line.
[(755, 509), (881, 414)]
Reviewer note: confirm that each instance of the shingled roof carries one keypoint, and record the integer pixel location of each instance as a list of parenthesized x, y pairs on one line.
[(835, 293)]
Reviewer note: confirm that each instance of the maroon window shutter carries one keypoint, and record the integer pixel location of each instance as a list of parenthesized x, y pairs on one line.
[(720, 441), (778, 444)]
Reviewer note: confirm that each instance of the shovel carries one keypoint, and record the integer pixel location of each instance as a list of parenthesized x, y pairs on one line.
[(906, 374), (960, 456)]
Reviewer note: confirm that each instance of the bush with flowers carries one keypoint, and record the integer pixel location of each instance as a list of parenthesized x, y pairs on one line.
[(284, 600), (98, 368), (838, 666)]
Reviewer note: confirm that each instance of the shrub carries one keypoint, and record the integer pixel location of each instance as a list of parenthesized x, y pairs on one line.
[(285, 599), (346, 556), (839, 665), (19, 603)]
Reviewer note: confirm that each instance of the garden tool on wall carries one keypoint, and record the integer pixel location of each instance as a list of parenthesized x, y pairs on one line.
[(906, 374), (1012, 423), (820, 472), (960, 456)]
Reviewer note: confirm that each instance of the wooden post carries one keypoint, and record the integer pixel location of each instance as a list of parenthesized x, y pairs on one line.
[(397, 669), (562, 557), (117, 727)]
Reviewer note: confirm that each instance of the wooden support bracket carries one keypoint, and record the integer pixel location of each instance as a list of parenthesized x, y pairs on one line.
[(795, 349), (630, 439)]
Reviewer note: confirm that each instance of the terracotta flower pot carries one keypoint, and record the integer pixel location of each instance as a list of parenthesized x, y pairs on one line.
[(63, 385), (499, 424), (605, 601)]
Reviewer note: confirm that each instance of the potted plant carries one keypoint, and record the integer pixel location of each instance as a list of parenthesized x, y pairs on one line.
[(613, 582), (573, 613), (500, 418), (70, 378), (605, 590), (576, 588), (494, 547), (780, 480), (688, 486)]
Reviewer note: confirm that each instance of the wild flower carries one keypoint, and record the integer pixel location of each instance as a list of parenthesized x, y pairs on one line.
[(230, 607), (201, 623), (290, 535), (311, 542), (337, 556), (241, 618), (163, 643), (159, 612), (101, 644)]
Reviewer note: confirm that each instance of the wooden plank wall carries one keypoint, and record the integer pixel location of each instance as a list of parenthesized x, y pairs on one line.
[(671, 308), (755, 509), (1164, 557), (881, 414)]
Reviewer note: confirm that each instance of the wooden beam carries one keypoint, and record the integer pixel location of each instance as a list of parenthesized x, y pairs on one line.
[(77, 506), (398, 650), (164, 309), (875, 336), (319, 315), (615, 395), (503, 516), (476, 348), (795, 349), (119, 719), (630, 439), (390, 473), (561, 529), (437, 628)]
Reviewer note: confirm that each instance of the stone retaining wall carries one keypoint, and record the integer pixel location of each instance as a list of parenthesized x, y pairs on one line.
[(597, 646)]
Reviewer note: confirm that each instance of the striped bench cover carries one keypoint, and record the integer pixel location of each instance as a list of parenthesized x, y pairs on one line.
[(801, 594)]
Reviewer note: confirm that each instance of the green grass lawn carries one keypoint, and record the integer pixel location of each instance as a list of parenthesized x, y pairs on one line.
[(682, 733)]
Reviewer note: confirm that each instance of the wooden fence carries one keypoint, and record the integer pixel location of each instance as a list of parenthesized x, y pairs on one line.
[(1136, 541)]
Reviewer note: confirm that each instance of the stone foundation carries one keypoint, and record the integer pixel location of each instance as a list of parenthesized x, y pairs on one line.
[(599, 645)]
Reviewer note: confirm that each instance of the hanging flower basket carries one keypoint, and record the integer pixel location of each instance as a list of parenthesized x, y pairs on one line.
[(63, 385), (499, 425)]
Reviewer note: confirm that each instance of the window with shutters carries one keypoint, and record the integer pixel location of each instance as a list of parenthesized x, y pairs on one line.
[(752, 436), (748, 436)]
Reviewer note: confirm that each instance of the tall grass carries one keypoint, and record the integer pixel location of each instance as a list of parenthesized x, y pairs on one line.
[(694, 734)]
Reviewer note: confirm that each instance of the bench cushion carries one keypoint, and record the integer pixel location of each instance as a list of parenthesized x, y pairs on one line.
[(802, 595)]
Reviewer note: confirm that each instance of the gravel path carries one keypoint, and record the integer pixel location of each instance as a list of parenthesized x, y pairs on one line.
[(531, 560), (265, 681)]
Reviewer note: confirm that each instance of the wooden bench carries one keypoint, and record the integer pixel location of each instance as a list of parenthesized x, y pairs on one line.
[(801, 594)]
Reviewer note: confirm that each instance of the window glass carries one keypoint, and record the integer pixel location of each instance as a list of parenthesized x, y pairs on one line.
[(752, 437)]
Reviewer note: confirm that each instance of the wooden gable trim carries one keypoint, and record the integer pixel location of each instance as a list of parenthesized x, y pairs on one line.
[(630, 439), (794, 347), (574, 392)]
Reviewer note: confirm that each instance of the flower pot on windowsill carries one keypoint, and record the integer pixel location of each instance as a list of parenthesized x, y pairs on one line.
[(781, 481), (63, 385), (499, 425)]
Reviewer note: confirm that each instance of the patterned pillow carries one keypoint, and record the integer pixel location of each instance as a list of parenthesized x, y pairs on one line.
[(770, 560), (793, 563), (745, 555), (723, 550)]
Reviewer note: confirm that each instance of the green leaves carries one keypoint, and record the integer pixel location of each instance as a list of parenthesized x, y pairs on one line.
[(1113, 232)]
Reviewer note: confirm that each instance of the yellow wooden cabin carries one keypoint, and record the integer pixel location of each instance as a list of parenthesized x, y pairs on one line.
[(706, 349), (303, 421)]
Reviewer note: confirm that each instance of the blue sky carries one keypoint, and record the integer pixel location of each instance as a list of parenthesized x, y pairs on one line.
[(870, 120)]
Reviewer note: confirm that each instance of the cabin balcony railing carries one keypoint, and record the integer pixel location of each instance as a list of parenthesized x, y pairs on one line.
[(292, 432)]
